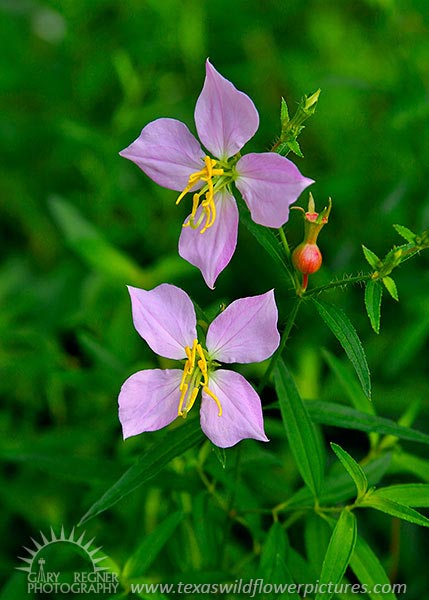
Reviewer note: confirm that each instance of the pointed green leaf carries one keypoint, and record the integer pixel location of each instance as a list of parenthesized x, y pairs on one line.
[(338, 487), (353, 469), (371, 257), (150, 547), (300, 431), (406, 233), (373, 296), (284, 113), (338, 555), (174, 443), (369, 571), (390, 507), (390, 286), (409, 494), (330, 413), (340, 325)]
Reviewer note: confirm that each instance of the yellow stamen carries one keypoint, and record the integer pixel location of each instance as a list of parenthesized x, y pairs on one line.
[(208, 205), (192, 400), (182, 399), (215, 398), (186, 371), (195, 376)]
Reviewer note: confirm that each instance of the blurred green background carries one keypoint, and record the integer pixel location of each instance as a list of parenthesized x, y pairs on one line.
[(79, 79)]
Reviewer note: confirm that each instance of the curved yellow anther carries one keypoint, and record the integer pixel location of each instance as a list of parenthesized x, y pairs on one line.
[(215, 398), (184, 389), (209, 209)]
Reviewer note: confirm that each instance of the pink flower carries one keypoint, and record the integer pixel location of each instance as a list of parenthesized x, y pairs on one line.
[(245, 332), (169, 154)]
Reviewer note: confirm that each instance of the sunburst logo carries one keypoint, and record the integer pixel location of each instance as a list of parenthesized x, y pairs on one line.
[(40, 579)]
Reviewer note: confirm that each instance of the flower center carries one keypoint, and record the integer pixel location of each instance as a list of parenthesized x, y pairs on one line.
[(195, 375), (213, 176)]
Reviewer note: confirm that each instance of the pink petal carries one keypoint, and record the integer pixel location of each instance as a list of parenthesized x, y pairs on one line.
[(149, 400), (269, 183), (246, 331), (225, 118), (167, 152), (212, 250), (241, 410), (165, 318)]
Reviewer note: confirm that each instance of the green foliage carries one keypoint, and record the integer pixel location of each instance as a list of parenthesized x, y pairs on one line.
[(303, 441), (373, 296), (79, 80), (341, 327), (338, 554), (150, 463), (353, 469), (369, 570)]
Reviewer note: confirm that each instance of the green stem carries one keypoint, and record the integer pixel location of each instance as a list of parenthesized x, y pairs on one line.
[(285, 336), (339, 283), (284, 242)]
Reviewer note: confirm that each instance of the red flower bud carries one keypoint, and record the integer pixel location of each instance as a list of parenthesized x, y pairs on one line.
[(307, 258)]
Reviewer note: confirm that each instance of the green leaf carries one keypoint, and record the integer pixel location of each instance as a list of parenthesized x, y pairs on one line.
[(378, 501), (174, 443), (152, 544), (353, 469), (409, 494), (369, 570), (371, 257), (390, 286), (406, 233), (338, 487), (88, 243), (338, 555), (299, 429), (338, 415), (347, 379), (373, 296), (339, 324)]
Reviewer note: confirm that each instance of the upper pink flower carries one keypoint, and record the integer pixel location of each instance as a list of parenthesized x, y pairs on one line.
[(245, 332), (169, 154)]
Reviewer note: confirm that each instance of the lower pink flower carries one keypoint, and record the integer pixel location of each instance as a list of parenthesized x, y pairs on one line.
[(245, 332)]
